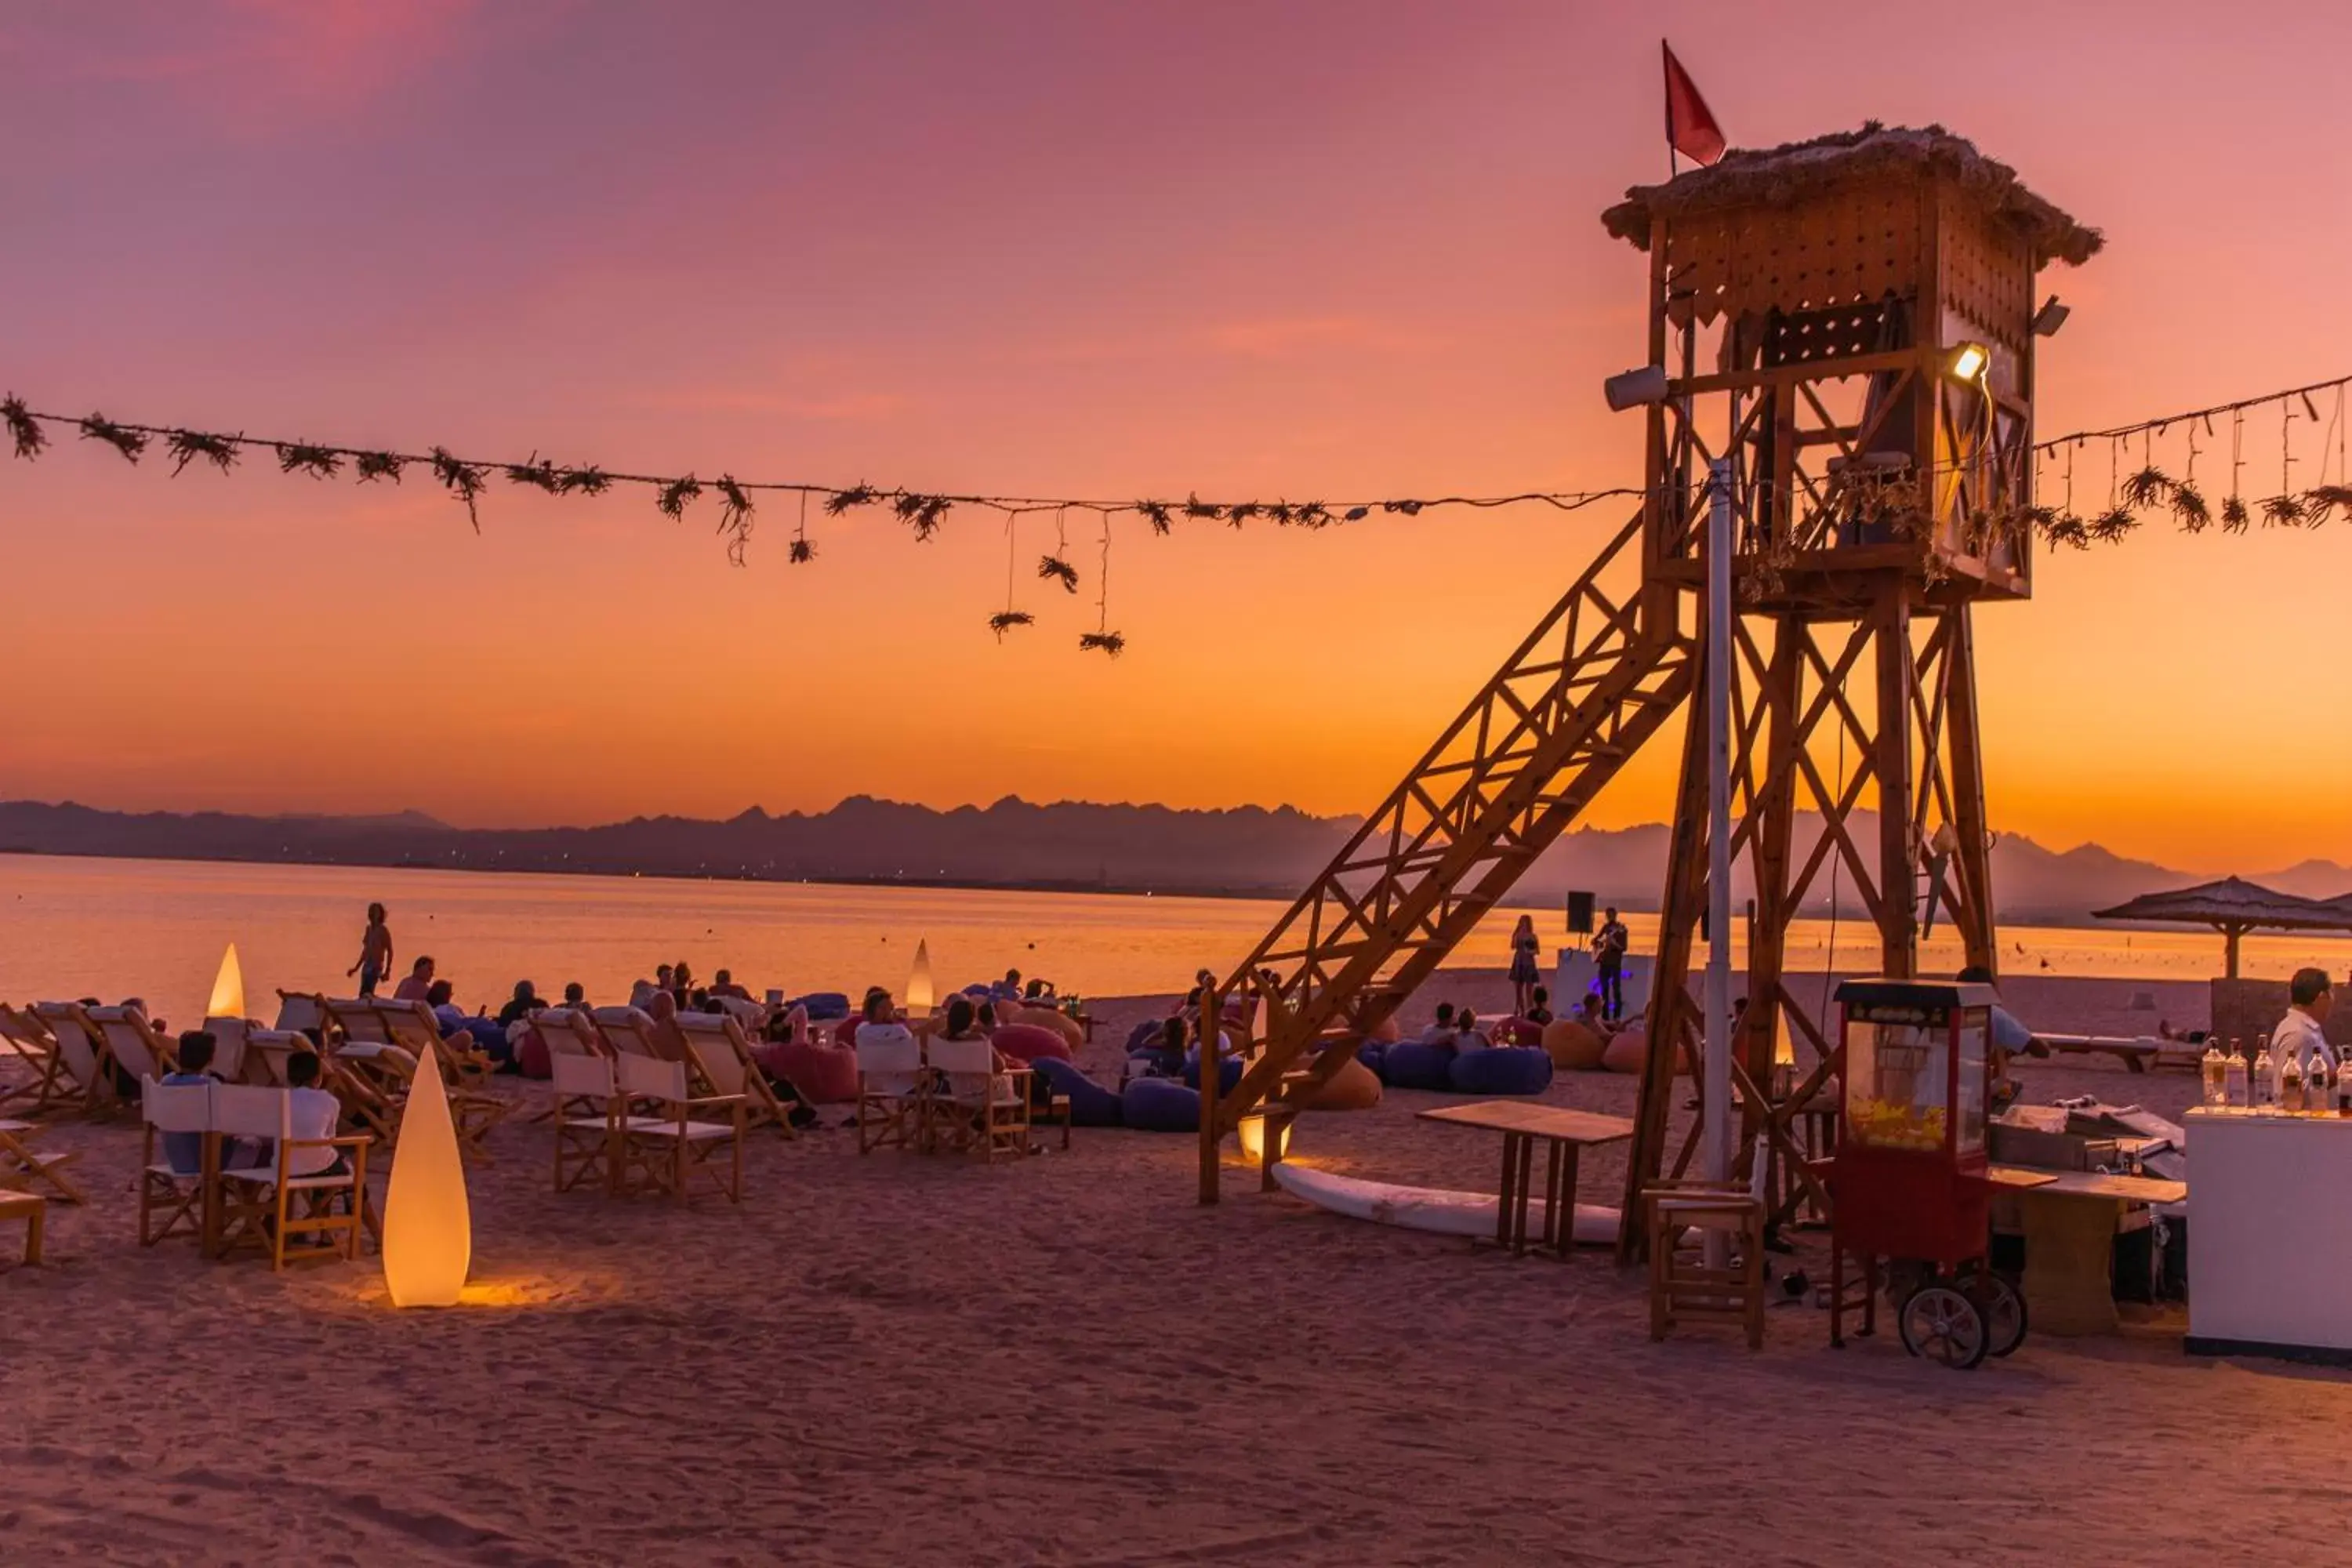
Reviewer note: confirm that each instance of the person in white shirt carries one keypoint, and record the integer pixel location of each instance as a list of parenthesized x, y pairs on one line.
[(310, 1113), (1442, 1032), (881, 1026), (2299, 1032)]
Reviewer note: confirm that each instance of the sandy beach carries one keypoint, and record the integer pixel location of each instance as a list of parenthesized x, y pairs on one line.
[(892, 1359)]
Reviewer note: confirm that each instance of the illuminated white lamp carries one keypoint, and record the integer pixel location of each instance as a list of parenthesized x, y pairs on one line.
[(920, 993), (429, 1227)]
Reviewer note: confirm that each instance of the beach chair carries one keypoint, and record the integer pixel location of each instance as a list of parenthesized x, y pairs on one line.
[(474, 1110), (133, 1044), (722, 1057), (266, 1207), (975, 1107), (23, 1167), (267, 1052), (586, 1113), (53, 1084), (891, 1085), (82, 1048), (303, 1012), (632, 1032), (229, 1037), (663, 1146), (178, 1191)]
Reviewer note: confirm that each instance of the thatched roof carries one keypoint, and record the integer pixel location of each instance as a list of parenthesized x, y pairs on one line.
[(1775, 175), (2230, 903)]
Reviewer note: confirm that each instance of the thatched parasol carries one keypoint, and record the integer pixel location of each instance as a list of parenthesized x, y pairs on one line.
[(2233, 908)]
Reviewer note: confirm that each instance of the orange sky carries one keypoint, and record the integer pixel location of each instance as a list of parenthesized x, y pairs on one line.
[(1135, 249)]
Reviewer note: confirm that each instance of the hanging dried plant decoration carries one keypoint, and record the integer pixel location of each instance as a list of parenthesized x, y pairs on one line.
[(802, 552), (1241, 512), (2149, 486), (857, 495), (2282, 512), (734, 516), (1311, 514), (464, 479), (373, 465), (186, 445), (2068, 529), (2113, 524), (588, 481), (304, 457), (921, 512), (671, 501), (24, 430), (1005, 620), (1110, 643), (1060, 571), (1155, 512), (1207, 511), (2188, 508), (122, 437), (2234, 516), (2321, 502), (537, 474)]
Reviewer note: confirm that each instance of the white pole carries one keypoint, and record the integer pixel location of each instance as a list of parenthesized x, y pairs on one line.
[(1716, 1089)]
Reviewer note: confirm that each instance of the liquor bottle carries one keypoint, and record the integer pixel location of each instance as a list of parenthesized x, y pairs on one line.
[(2265, 1084), (2290, 1097), (2233, 1079), (2216, 1075), (2344, 1084)]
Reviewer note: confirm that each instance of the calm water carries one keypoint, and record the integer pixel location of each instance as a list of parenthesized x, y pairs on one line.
[(155, 929)]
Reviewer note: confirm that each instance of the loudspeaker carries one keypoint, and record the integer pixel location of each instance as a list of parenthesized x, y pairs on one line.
[(1579, 914)]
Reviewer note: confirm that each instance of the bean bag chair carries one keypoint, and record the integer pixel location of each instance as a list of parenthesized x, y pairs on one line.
[(1372, 1053), (1630, 1050), (1353, 1088), (1159, 1105), (978, 993), (1503, 1070), (825, 1074), (1409, 1064), (1518, 1032), (1229, 1072), (532, 1057), (1028, 1043), (1146, 1034), (845, 1033), (824, 1006), (1388, 1031), (1073, 1033), (1091, 1105), (1572, 1045)]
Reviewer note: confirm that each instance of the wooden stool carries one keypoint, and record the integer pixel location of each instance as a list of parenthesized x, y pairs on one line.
[(34, 1211), (1683, 1288)]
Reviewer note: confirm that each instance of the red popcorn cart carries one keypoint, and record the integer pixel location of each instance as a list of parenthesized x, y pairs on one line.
[(1909, 1190)]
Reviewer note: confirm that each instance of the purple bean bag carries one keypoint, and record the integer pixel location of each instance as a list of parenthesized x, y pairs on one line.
[(1159, 1105), (1504, 1069), (1229, 1072), (824, 1006), (1091, 1105), (1410, 1064), (1371, 1053)]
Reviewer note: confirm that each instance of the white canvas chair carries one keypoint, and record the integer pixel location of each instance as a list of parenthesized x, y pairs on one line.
[(587, 1108), (53, 1084), (133, 1043), (752, 1015), (980, 1107), (632, 1032), (298, 1192), (722, 1058), (473, 1107), (891, 1085), (82, 1048), (178, 1190), (300, 1011), (663, 1142), (229, 1037), (267, 1052)]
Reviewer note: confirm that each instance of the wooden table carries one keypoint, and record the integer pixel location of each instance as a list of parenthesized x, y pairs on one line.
[(2069, 1219), (1566, 1132)]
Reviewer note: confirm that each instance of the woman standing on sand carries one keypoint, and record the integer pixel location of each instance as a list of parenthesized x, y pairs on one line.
[(376, 952), (1527, 951)]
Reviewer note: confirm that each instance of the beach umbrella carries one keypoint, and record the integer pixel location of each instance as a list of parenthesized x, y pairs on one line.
[(2232, 907)]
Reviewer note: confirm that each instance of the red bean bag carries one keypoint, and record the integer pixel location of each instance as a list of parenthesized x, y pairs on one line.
[(1518, 1032), (825, 1074), (1573, 1046), (843, 1033), (1030, 1042), (1049, 1018)]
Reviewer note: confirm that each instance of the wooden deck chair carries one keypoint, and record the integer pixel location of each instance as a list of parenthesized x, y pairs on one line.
[(82, 1048), (722, 1057), (133, 1043), (891, 1085), (52, 1085), (982, 1107), (178, 1189), (586, 1113), (473, 1109), (229, 1036), (567, 1031), (265, 1054), (663, 1149), (23, 1167), (300, 1012), (353, 1020), (298, 1192), (631, 1031)]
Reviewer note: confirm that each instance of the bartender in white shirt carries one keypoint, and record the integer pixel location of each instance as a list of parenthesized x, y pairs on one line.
[(2298, 1036)]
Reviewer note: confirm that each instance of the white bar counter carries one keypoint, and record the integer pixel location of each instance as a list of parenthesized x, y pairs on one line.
[(2270, 1235)]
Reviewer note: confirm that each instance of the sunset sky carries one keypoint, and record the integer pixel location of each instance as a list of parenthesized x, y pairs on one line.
[(1301, 249)]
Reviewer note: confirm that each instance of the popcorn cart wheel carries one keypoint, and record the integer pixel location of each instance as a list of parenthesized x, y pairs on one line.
[(1962, 1320)]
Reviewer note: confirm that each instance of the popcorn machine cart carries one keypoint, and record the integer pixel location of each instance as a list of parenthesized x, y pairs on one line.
[(1910, 1192)]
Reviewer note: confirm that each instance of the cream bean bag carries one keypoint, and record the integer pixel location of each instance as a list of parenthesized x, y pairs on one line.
[(1353, 1088), (1573, 1048)]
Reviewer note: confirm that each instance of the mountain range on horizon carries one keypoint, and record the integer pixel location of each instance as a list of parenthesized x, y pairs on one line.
[(1071, 845)]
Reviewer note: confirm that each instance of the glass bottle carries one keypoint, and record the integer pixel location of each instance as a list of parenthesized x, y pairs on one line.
[(2233, 1079), (2344, 1084), (2290, 1096), (2216, 1075), (2265, 1084)]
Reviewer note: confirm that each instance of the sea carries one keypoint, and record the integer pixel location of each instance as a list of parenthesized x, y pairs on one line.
[(157, 929)]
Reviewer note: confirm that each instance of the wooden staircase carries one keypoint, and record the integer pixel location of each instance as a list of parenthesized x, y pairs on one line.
[(1595, 679)]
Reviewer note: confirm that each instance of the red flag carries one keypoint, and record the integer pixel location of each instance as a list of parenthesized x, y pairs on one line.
[(1691, 129)]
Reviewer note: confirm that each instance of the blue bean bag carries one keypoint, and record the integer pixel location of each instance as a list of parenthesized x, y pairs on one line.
[(1504, 1069), (1145, 1036), (1159, 1105), (824, 1006), (1091, 1105), (1229, 1072), (1409, 1064), (1371, 1053)]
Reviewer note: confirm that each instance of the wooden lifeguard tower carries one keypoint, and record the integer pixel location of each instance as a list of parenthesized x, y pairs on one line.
[(1852, 322)]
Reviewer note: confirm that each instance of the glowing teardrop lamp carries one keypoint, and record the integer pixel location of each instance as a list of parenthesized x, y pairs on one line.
[(228, 988), (920, 992), (428, 1230)]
